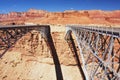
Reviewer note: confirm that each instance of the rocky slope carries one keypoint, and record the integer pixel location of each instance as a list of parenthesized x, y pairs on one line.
[(66, 17)]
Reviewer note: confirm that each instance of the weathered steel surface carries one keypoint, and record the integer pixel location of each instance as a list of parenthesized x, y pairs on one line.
[(99, 49)]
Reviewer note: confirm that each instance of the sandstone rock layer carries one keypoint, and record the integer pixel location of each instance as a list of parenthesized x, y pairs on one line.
[(66, 17)]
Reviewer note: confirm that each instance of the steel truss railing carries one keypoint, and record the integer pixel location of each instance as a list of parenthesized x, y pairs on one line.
[(99, 49)]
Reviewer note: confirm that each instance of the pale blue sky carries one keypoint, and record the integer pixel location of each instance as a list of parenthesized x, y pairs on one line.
[(58, 5)]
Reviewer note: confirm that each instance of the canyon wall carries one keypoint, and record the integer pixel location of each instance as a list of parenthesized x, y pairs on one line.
[(66, 17)]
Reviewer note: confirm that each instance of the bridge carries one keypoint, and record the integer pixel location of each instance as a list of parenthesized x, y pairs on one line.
[(99, 49), (11, 33)]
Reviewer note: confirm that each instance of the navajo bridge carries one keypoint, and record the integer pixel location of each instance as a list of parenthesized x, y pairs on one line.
[(98, 46)]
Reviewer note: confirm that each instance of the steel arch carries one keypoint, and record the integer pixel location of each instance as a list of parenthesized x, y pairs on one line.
[(99, 49)]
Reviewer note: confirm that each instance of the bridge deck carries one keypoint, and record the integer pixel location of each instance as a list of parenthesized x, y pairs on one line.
[(114, 31), (20, 26)]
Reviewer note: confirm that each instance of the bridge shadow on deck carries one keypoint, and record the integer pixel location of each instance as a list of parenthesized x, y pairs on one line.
[(72, 46), (78, 60), (51, 46)]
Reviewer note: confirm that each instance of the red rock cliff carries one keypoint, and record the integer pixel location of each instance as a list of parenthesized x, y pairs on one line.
[(66, 17)]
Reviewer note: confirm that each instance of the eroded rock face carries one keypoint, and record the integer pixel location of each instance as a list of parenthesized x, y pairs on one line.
[(66, 17)]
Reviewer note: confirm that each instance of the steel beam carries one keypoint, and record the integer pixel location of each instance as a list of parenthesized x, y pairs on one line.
[(99, 49), (9, 34)]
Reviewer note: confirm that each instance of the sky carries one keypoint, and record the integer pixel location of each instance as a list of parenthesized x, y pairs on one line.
[(58, 5)]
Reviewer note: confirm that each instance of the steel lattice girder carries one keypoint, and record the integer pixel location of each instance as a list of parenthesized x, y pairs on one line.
[(9, 34), (99, 49)]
